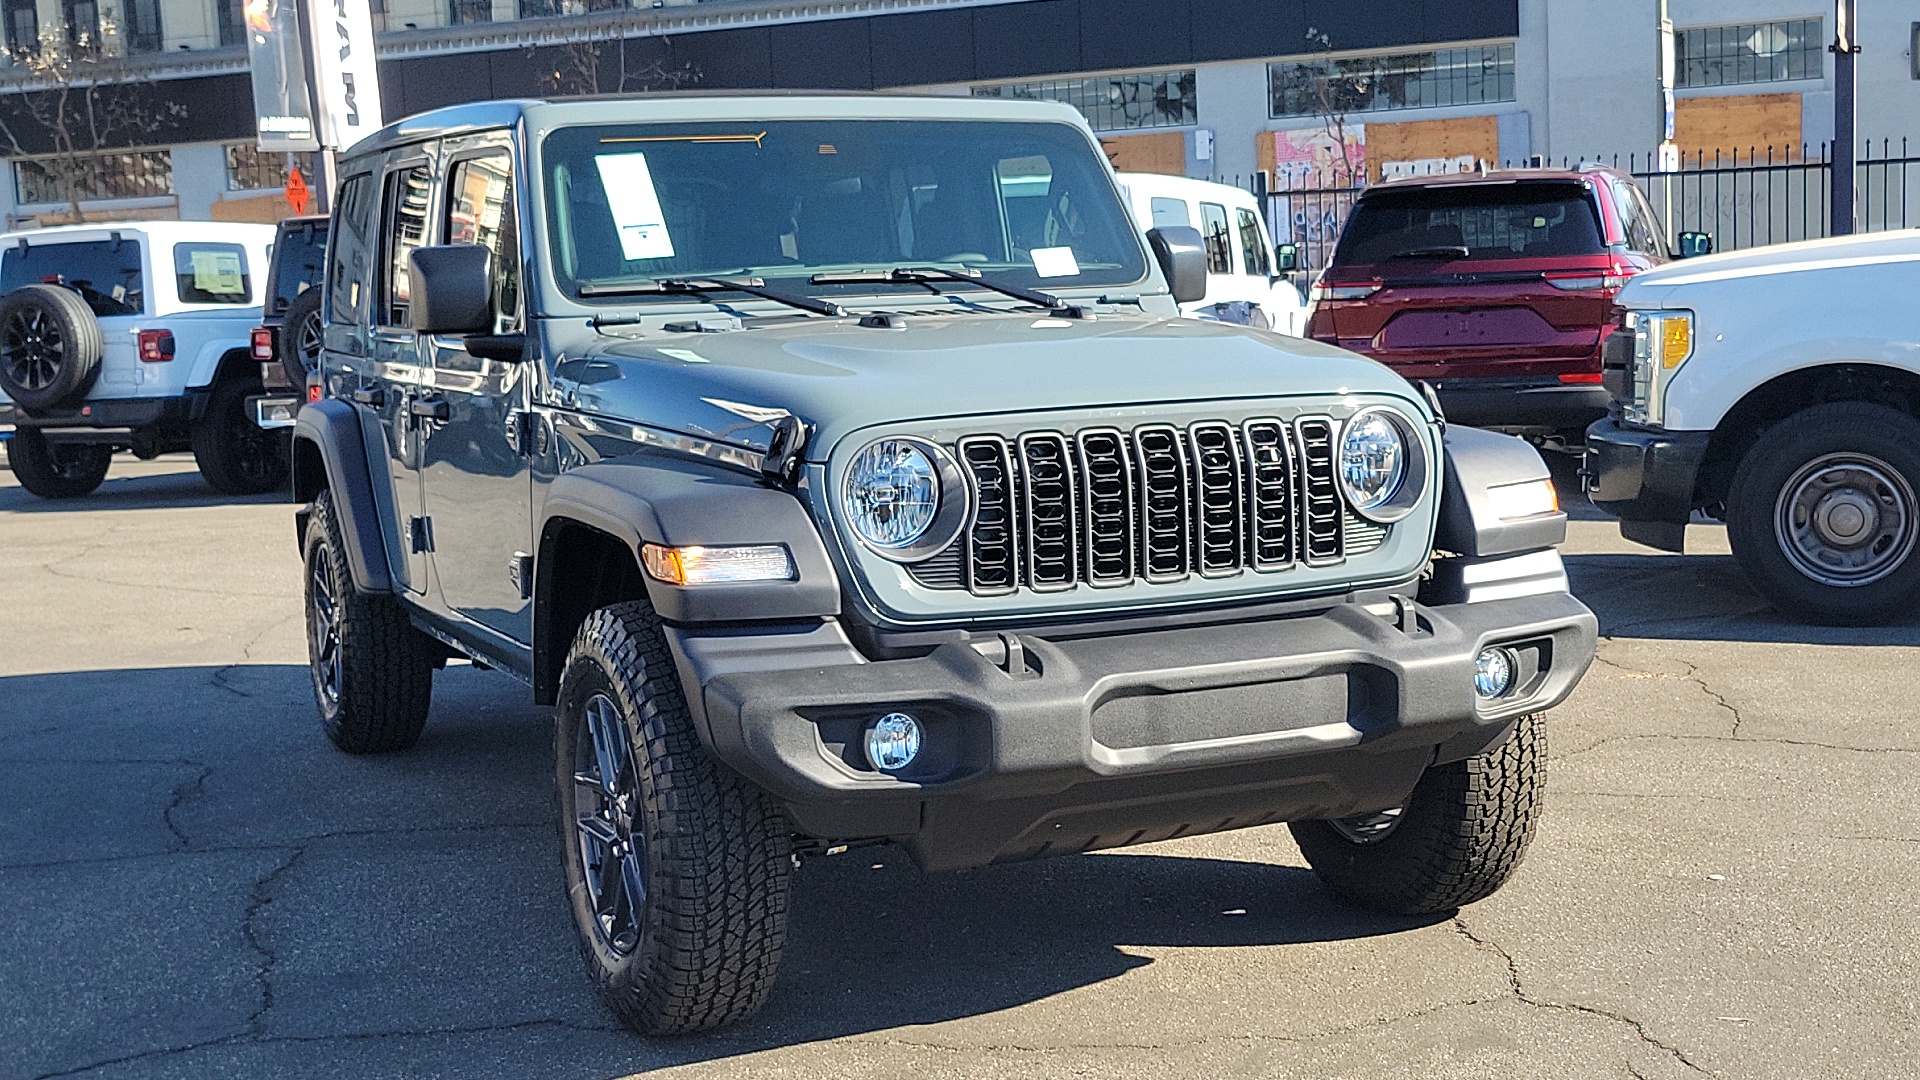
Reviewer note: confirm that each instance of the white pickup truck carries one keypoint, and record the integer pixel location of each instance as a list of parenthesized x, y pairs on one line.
[(133, 336), (1778, 390)]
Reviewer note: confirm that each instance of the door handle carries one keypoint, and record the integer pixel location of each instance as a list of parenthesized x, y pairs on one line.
[(371, 396), (430, 408)]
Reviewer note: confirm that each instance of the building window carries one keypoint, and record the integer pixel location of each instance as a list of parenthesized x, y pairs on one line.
[(142, 33), (23, 26), (231, 14), (83, 27), (1471, 75), (1114, 102), (462, 12), (130, 174), (1749, 53), (250, 168)]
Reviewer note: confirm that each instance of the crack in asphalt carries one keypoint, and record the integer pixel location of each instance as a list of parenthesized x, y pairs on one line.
[(261, 895), (1693, 676), (1519, 990), (282, 845), (181, 793)]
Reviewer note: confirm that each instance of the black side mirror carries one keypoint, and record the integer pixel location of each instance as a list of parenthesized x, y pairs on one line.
[(451, 289), (1286, 258), (1695, 244), (1183, 259)]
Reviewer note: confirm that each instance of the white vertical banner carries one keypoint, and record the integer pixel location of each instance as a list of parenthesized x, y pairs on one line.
[(345, 79)]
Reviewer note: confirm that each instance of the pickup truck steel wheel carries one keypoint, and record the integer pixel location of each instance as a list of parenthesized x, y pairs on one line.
[(235, 455), (56, 471), (1458, 838), (372, 671), (50, 346), (677, 870), (1822, 515)]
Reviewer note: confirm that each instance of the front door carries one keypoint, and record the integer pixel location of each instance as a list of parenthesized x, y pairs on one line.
[(396, 377), (477, 482)]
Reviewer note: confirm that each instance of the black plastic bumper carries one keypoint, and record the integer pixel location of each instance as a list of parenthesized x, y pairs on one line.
[(1034, 747), (1645, 478), (1510, 403), (115, 414)]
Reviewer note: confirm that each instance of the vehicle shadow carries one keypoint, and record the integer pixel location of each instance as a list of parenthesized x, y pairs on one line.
[(457, 841), (127, 489)]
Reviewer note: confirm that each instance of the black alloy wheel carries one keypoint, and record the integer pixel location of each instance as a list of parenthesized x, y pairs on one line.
[(236, 455), (56, 470)]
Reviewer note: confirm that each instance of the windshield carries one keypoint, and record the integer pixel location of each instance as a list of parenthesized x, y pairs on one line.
[(1479, 222), (1029, 203)]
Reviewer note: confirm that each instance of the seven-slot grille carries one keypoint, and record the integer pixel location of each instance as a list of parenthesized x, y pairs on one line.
[(1158, 503)]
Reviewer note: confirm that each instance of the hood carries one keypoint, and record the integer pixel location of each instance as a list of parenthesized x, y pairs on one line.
[(1778, 260), (841, 377)]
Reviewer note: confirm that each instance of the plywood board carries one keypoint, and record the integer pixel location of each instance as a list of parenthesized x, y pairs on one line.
[(1477, 137), (1161, 152), (265, 209), (1741, 127)]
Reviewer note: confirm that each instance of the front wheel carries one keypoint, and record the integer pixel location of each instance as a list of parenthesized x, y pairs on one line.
[(1822, 515), (677, 870), (56, 470), (1459, 837), (236, 455)]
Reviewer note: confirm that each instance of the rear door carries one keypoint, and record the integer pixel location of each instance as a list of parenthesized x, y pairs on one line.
[(1497, 279), (397, 372)]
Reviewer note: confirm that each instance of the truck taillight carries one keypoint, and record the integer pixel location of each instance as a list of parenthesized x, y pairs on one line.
[(262, 344), (1355, 291), (156, 346)]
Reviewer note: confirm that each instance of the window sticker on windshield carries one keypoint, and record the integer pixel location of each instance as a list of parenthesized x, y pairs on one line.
[(635, 206), (1055, 262), (217, 272)]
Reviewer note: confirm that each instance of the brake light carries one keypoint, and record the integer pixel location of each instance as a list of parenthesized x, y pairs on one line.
[(1581, 378), (1355, 291), (1581, 281), (313, 393), (262, 344), (156, 346)]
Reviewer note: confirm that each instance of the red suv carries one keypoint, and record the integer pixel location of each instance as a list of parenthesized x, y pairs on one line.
[(1497, 288)]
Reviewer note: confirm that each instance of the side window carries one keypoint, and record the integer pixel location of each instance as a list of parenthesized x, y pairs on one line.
[(1169, 212), (347, 243), (1636, 220), (1253, 243), (480, 211), (406, 229), (212, 274), (1213, 229)]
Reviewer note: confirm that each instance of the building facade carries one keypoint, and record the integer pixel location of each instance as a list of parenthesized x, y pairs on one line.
[(1302, 91)]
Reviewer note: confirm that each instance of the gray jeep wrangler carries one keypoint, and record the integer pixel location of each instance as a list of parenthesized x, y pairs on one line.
[(840, 471)]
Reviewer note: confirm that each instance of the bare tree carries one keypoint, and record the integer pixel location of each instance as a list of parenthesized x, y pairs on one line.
[(73, 105), (1335, 91), (603, 67)]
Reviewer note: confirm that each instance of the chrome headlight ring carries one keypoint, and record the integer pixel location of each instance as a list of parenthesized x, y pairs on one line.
[(904, 498), (1382, 464)]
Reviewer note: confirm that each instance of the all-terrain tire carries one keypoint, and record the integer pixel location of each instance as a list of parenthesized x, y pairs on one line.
[(372, 671), (237, 456), (300, 337), (1886, 441), (65, 471), (50, 346), (702, 948), (1460, 837)]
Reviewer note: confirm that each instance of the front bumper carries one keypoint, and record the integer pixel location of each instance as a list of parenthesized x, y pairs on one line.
[(1522, 403), (1035, 746), (1645, 478)]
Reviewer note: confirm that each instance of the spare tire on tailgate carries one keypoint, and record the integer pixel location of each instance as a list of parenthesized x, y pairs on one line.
[(300, 338), (49, 346)]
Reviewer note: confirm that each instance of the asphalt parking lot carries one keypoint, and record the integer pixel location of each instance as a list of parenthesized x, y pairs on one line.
[(195, 884)]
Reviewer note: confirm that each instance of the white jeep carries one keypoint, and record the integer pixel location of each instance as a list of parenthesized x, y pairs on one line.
[(132, 336), (1246, 281), (1777, 389)]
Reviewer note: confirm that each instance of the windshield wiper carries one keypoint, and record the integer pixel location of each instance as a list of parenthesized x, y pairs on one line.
[(700, 286), (1439, 251), (921, 275)]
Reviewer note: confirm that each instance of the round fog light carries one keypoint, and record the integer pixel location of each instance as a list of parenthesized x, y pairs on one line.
[(893, 742), (1493, 672)]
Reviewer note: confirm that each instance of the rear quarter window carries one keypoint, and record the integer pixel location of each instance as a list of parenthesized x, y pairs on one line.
[(106, 273), (1495, 221), (212, 274)]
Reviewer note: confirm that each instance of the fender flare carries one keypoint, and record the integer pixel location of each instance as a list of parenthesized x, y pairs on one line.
[(207, 362), (1475, 461), (657, 500), (329, 431)]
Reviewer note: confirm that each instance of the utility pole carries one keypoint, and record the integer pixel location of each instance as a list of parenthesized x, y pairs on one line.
[(1844, 50), (1668, 160)]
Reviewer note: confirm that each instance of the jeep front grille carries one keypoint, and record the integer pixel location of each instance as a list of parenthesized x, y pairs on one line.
[(1159, 503)]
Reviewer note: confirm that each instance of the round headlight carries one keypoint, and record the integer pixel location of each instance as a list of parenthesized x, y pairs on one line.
[(1373, 461), (892, 493)]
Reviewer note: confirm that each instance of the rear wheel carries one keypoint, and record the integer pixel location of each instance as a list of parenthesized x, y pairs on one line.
[(236, 455), (677, 870), (1457, 840), (1822, 514), (54, 470)]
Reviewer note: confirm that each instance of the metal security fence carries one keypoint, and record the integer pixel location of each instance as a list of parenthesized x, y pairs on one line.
[(1760, 197)]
